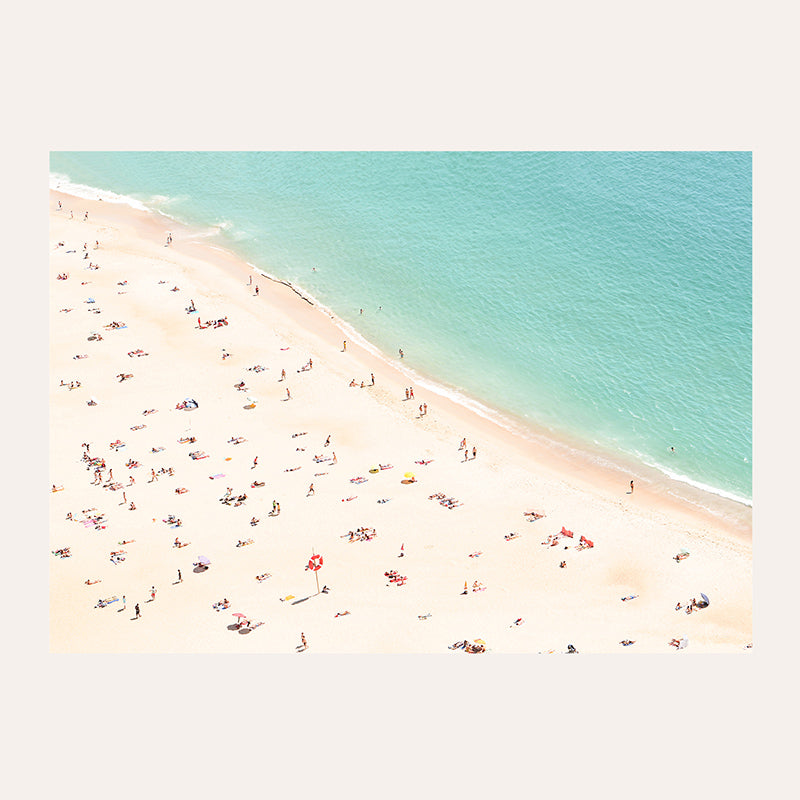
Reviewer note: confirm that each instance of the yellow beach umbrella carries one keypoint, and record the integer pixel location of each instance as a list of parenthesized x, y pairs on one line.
[(409, 475)]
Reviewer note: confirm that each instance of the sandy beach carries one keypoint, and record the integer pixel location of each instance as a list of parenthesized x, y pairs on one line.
[(304, 443)]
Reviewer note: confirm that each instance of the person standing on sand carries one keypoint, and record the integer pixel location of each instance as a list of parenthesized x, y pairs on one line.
[(255, 463), (631, 487), (138, 613), (124, 603), (180, 577), (303, 640), (425, 409), (283, 374), (466, 453), (288, 395), (344, 346), (474, 452), (152, 593), (256, 290)]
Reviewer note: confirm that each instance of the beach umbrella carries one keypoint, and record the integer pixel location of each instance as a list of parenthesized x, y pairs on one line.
[(683, 643), (252, 399), (409, 475), (239, 614), (705, 599), (204, 561)]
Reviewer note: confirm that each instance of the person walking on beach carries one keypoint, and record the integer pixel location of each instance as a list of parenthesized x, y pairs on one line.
[(152, 593), (411, 391), (406, 393), (373, 378), (255, 463), (304, 642), (327, 441), (283, 374), (463, 444), (474, 452), (425, 409), (124, 603), (288, 395), (138, 613), (631, 487), (273, 507), (256, 290), (180, 577), (310, 490), (466, 453), (344, 346)]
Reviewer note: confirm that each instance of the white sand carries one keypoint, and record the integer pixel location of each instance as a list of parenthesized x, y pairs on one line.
[(635, 536)]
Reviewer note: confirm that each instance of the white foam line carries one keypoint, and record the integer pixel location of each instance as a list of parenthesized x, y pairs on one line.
[(62, 183), (676, 476)]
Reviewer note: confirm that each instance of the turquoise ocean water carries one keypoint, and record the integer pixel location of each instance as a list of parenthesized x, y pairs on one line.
[(604, 297)]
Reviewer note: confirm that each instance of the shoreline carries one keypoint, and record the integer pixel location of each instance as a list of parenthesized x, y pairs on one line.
[(728, 504), (597, 467)]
